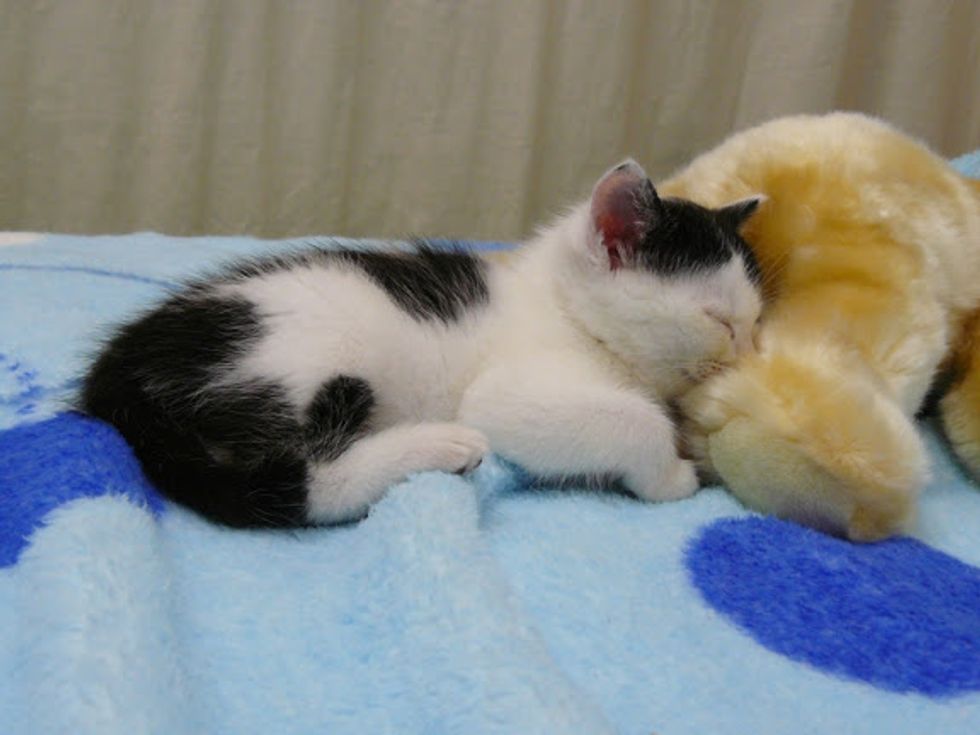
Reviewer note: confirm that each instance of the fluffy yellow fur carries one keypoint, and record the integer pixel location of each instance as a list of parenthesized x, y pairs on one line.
[(870, 249)]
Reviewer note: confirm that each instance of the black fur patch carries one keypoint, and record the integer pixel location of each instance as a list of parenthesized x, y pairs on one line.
[(337, 416), (173, 349), (232, 453), (687, 238), (428, 283)]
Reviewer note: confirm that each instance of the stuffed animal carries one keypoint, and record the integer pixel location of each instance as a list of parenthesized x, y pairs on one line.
[(870, 250)]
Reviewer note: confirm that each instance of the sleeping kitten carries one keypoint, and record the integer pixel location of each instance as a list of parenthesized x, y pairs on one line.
[(296, 389)]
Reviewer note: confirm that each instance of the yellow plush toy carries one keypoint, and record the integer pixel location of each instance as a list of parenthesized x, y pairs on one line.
[(870, 248)]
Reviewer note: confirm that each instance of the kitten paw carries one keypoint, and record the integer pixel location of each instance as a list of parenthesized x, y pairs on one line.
[(452, 448), (680, 482), (683, 483)]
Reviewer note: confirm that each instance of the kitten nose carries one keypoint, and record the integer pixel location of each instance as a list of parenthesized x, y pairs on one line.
[(745, 342)]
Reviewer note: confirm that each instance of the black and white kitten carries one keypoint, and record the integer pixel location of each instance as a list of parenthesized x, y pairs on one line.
[(295, 390)]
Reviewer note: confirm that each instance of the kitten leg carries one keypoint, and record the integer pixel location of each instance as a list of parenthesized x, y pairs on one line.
[(553, 425), (346, 487), (960, 407)]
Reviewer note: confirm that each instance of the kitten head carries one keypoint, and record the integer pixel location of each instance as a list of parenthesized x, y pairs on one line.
[(667, 285)]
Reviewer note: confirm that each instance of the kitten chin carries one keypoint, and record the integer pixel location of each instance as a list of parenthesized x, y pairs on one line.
[(706, 369)]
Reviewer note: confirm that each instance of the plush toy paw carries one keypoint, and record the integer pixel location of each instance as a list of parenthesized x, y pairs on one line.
[(806, 433)]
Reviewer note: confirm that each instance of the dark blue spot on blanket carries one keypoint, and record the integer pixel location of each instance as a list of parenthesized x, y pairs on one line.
[(52, 462), (897, 614)]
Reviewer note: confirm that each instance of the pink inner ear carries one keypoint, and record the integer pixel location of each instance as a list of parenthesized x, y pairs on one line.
[(616, 214), (620, 233)]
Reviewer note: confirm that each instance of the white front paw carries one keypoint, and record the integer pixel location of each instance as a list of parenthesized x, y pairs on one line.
[(450, 447), (680, 481)]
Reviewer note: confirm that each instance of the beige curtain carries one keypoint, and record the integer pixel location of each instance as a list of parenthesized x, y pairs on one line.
[(463, 118)]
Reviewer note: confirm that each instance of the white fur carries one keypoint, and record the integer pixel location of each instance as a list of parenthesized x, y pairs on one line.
[(361, 475), (566, 370)]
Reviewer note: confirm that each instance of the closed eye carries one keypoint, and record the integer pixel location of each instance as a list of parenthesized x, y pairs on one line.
[(723, 320)]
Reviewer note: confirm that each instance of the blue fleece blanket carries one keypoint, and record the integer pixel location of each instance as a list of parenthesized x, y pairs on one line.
[(482, 605)]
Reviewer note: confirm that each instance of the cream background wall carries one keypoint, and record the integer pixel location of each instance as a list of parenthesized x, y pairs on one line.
[(470, 118)]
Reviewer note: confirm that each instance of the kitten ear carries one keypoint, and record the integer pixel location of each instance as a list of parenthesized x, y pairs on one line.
[(625, 207), (736, 214)]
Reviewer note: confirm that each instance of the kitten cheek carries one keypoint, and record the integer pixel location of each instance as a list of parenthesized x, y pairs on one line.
[(727, 352)]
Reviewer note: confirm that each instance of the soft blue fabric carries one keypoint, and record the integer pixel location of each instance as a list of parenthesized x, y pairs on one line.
[(47, 464), (896, 614), (969, 164), (458, 606)]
